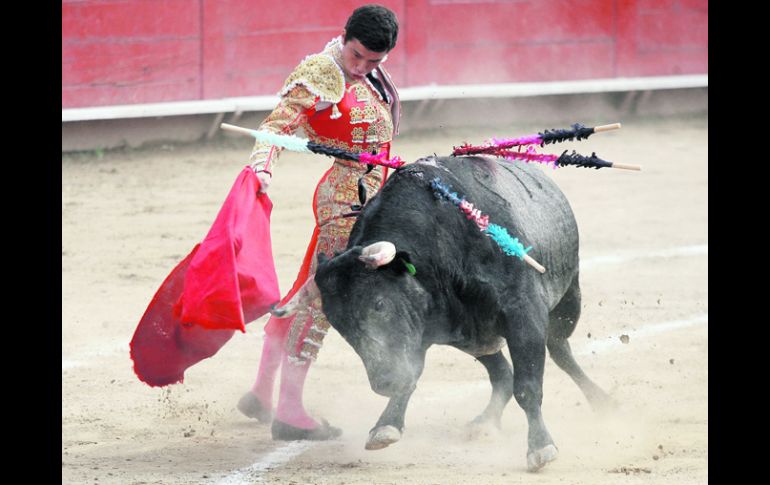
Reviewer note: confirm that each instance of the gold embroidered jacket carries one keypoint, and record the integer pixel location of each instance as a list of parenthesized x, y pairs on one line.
[(332, 109)]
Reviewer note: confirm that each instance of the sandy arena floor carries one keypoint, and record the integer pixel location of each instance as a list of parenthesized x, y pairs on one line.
[(129, 216)]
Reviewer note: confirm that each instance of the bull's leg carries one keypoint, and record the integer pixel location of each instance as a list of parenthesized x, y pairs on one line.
[(501, 377), (390, 426), (526, 342), (561, 353), (563, 319)]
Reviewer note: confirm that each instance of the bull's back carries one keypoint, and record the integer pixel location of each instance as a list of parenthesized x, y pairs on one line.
[(521, 198), (515, 195)]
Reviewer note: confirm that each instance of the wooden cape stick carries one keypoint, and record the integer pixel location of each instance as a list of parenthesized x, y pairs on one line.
[(237, 129), (289, 142)]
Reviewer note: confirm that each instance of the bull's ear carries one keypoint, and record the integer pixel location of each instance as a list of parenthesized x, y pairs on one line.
[(322, 258), (402, 263)]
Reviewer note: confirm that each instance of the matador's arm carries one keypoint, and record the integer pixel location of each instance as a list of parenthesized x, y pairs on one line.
[(315, 84), (288, 115)]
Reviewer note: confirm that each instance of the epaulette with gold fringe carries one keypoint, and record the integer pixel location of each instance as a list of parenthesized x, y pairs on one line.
[(320, 75)]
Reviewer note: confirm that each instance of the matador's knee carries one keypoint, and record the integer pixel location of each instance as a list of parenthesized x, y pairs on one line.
[(307, 331), (306, 294)]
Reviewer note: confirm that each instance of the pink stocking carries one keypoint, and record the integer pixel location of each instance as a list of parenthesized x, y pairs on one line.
[(272, 351), (290, 409)]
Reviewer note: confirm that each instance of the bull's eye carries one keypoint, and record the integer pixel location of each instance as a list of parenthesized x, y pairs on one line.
[(379, 305)]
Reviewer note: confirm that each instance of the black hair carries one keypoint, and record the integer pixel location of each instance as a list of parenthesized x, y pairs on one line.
[(374, 26)]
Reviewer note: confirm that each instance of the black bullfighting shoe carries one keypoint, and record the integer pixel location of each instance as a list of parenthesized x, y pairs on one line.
[(251, 407), (286, 432)]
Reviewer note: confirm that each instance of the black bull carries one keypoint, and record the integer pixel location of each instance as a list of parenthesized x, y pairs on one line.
[(466, 291)]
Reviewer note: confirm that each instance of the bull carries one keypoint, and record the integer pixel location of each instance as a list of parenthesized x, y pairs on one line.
[(416, 272)]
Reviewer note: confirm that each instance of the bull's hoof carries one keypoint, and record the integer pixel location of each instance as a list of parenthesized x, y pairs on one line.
[(604, 405), (481, 427), (538, 458), (601, 402), (382, 437)]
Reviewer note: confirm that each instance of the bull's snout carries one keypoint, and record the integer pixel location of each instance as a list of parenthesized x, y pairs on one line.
[(391, 371), (391, 384)]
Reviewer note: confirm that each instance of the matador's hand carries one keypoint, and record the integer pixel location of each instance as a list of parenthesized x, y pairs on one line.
[(264, 180)]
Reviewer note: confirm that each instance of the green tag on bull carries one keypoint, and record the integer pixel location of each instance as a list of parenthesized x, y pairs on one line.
[(409, 267)]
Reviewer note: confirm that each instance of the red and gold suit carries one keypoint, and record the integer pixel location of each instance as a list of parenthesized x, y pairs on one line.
[(344, 113)]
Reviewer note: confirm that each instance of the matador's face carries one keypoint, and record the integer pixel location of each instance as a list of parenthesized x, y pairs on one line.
[(357, 60)]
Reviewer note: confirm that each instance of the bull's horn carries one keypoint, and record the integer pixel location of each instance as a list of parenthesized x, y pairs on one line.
[(378, 254)]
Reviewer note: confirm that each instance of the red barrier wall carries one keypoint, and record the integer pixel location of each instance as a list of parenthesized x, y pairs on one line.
[(146, 51)]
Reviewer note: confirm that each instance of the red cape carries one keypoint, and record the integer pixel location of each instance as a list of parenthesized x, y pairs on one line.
[(226, 281)]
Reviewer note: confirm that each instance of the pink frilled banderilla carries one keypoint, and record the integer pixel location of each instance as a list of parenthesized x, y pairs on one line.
[(380, 159)]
